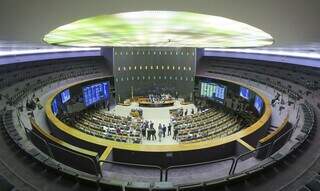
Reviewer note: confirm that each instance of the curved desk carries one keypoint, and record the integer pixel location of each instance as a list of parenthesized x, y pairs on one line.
[(157, 104), (164, 155)]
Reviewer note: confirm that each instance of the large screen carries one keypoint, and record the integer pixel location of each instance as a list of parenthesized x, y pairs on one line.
[(245, 93), (220, 91), (258, 104), (55, 106), (207, 89), (212, 90), (65, 96), (96, 92)]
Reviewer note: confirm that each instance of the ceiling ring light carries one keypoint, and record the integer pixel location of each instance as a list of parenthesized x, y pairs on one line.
[(158, 29)]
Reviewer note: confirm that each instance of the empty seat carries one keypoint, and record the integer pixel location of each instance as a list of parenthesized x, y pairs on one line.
[(5, 185), (314, 185), (304, 189)]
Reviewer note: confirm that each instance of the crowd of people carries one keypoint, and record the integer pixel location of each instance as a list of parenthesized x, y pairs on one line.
[(124, 129), (159, 98), (33, 103), (149, 132)]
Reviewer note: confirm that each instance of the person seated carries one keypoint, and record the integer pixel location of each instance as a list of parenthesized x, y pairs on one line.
[(118, 130)]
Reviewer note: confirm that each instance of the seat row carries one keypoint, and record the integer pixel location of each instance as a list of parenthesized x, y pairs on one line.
[(21, 72), (267, 81), (297, 76), (212, 124), (109, 126)]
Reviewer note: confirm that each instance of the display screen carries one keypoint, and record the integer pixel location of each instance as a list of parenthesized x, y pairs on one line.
[(65, 96), (258, 104), (96, 92), (245, 93), (207, 89), (158, 29), (212, 90), (220, 91), (55, 106)]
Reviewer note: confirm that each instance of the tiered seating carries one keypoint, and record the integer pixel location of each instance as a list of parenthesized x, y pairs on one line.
[(37, 84), (309, 121), (5, 185), (35, 76), (312, 185), (297, 75), (109, 126), (10, 74), (206, 125), (256, 172), (260, 79)]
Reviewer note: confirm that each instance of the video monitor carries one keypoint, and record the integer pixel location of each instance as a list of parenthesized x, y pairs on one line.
[(220, 91), (54, 106), (65, 96), (245, 93), (207, 89), (212, 90), (95, 93), (258, 103)]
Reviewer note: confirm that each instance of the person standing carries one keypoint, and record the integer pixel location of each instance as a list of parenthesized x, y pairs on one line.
[(175, 133), (153, 134), (164, 129), (148, 133), (159, 127), (159, 133), (143, 130), (169, 129)]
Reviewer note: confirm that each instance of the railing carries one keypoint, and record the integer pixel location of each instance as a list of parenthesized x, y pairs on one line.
[(231, 170), (199, 164), (93, 162), (133, 165), (20, 121), (48, 148), (235, 160)]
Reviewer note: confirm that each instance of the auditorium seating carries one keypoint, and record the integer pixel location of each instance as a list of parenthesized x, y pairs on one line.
[(299, 75), (10, 74), (105, 125), (17, 87), (303, 138), (312, 185), (5, 185), (206, 125), (275, 140), (309, 121), (262, 80)]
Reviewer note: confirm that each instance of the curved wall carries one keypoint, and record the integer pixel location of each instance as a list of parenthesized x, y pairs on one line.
[(164, 155), (270, 182)]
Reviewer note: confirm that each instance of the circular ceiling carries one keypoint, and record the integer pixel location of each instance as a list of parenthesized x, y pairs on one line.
[(158, 29)]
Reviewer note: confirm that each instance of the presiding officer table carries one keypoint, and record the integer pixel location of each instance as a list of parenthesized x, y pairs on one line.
[(147, 103)]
